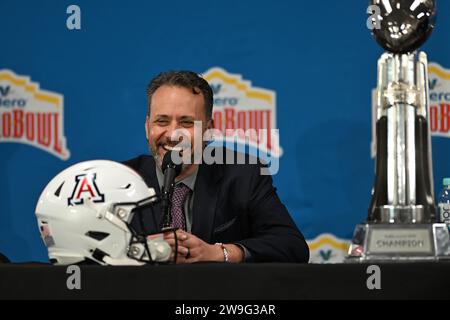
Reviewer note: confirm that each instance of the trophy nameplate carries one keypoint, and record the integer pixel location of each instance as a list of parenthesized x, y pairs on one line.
[(391, 239), (390, 242)]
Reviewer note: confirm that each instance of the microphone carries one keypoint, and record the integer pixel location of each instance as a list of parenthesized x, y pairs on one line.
[(170, 171)]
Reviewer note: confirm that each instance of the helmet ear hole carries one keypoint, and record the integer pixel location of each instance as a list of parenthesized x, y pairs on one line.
[(97, 235)]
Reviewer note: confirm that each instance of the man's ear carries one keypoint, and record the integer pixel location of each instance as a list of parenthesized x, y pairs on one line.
[(146, 127)]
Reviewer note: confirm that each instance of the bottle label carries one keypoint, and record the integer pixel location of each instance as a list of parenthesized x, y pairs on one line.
[(444, 212)]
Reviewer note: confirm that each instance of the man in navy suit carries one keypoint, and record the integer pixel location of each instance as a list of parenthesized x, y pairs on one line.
[(226, 212)]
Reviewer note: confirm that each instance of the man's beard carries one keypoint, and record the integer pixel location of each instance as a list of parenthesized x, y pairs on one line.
[(159, 159)]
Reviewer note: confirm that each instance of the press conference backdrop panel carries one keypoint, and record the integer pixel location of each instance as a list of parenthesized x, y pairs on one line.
[(306, 68)]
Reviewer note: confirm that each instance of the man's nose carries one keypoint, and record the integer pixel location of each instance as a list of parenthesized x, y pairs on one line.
[(170, 129)]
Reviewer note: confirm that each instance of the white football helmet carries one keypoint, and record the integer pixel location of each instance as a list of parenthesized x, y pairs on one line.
[(85, 213)]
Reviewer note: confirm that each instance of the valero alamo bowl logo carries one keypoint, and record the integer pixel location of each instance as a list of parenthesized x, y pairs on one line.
[(327, 248), (439, 81), (30, 115), (244, 113)]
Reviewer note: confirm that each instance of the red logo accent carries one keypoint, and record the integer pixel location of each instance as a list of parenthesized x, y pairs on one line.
[(85, 187)]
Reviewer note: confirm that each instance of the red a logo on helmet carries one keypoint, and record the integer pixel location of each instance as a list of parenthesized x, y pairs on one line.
[(85, 188)]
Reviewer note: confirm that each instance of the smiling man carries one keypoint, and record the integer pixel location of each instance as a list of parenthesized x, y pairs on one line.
[(175, 108), (223, 212)]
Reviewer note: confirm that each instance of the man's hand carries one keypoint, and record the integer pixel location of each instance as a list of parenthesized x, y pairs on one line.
[(193, 249)]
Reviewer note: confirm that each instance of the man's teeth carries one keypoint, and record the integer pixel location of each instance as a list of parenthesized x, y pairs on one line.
[(169, 148)]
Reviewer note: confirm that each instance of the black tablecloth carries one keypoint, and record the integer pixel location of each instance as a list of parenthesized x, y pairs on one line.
[(228, 282)]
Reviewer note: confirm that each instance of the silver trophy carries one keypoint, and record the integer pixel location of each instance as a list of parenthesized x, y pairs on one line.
[(402, 212)]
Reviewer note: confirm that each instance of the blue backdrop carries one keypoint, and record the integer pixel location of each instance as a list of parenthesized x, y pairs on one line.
[(318, 56)]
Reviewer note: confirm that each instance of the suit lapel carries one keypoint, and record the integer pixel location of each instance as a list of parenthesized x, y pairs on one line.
[(205, 200)]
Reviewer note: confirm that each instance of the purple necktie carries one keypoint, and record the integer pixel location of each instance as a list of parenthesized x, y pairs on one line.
[(180, 192)]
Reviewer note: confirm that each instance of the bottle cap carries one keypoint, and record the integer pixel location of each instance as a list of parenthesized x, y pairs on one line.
[(446, 181)]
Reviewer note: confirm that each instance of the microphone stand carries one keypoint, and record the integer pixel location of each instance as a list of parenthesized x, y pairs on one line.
[(171, 171), (166, 206)]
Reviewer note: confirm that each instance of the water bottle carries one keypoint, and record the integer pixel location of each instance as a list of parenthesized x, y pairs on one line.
[(444, 203)]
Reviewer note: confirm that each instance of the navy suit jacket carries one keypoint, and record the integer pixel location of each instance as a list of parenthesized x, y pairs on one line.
[(233, 203)]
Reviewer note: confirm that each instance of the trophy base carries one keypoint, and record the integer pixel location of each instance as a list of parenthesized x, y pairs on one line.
[(399, 242)]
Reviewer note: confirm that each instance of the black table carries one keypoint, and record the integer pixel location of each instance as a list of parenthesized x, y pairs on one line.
[(219, 281)]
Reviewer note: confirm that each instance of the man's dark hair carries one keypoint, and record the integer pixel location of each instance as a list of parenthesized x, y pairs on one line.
[(184, 79)]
